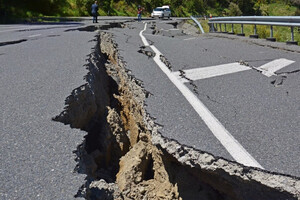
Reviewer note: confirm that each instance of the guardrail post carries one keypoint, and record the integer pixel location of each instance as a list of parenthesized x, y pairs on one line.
[(271, 38), (254, 35), (290, 21), (242, 31), (212, 28), (292, 37), (225, 29), (271, 32)]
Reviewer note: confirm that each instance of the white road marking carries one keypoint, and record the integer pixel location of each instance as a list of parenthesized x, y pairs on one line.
[(235, 149), (36, 35), (209, 72), (267, 69), (190, 38), (143, 38), (270, 68)]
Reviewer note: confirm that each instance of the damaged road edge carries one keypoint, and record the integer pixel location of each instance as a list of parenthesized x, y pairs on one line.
[(124, 155)]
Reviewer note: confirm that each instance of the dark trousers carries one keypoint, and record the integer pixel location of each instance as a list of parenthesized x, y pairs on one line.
[(95, 18), (139, 17)]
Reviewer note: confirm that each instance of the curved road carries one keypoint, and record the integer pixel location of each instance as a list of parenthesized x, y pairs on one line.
[(251, 90)]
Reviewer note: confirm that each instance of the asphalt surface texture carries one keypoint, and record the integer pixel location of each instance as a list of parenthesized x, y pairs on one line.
[(40, 66), (261, 113), (42, 63)]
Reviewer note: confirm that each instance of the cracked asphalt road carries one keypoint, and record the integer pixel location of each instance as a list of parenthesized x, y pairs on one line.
[(36, 76), (261, 113), (42, 64)]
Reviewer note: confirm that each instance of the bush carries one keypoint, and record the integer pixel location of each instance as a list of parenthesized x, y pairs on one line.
[(234, 10), (263, 31)]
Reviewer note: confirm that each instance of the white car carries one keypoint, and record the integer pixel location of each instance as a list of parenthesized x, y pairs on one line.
[(161, 12)]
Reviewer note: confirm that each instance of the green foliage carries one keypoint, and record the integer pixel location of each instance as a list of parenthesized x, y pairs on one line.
[(234, 10), (263, 31), (281, 9), (282, 34), (204, 25), (11, 9), (263, 10)]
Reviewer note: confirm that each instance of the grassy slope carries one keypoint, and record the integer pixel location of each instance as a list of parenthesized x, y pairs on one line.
[(281, 9), (282, 34)]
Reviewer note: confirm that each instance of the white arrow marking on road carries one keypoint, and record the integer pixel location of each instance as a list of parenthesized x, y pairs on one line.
[(208, 72), (268, 70), (233, 147)]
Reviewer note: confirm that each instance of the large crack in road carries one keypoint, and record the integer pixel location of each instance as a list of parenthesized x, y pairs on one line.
[(125, 157)]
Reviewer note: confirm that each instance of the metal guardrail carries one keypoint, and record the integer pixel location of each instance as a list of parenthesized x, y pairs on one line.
[(289, 21), (198, 23)]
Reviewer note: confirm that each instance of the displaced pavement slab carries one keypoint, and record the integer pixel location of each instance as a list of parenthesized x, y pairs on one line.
[(236, 98)]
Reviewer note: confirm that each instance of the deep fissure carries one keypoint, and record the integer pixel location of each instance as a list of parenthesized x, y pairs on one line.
[(125, 157)]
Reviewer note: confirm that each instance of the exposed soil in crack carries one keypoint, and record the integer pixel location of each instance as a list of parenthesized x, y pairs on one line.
[(167, 33), (155, 31), (190, 81), (166, 62), (125, 157), (86, 28), (93, 28), (146, 51)]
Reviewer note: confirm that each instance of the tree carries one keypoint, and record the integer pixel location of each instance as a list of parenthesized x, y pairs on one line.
[(234, 10), (296, 3)]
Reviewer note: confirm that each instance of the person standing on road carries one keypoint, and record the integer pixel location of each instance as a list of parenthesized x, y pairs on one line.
[(95, 12), (140, 10)]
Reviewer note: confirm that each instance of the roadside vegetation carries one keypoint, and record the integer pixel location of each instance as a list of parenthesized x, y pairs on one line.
[(263, 8), (13, 10), (35, 10), (282, 34)]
